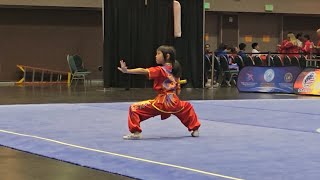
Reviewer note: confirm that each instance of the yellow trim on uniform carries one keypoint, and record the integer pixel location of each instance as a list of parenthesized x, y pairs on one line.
[(168, 112)]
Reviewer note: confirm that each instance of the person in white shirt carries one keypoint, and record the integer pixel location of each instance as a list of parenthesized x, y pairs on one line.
[(255, 49)]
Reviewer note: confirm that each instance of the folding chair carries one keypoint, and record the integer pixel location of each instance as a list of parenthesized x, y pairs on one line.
[(248, 61), (77, 70), (277, 61), (257, 61), (226, 71), (286, 61), (295, 61), (303, 61), (239, 62)]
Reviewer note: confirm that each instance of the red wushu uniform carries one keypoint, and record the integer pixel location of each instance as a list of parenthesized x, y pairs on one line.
[(166, 102)]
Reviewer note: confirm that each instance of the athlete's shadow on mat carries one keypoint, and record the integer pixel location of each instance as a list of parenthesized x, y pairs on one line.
[(164, 138)]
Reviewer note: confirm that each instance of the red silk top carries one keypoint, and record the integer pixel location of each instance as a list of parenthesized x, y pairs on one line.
[(166, 85)]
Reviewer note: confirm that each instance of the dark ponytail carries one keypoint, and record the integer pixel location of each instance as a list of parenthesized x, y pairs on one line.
[(176, 67)]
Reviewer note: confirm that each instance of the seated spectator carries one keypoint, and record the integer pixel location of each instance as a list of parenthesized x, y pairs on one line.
[(232, 64), (207, 62), (255, 49), (242, 49), (222, 50), (207, 54), (233, 54)]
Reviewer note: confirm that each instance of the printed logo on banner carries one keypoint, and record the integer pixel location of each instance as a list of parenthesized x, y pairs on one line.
[(309, 80), (269, 75), (249, 76), (288, 77), (267, 79)]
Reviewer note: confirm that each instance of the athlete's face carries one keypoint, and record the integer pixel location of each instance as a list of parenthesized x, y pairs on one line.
[(160, 58)]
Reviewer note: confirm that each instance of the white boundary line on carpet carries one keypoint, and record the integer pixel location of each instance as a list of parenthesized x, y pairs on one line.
[(122, 155)]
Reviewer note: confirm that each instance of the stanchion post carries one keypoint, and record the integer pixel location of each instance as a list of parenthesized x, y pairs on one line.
[(212, 69), (269, 57), (69, 79)]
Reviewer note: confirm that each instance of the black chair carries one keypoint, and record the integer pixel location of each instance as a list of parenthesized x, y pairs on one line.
[(286, 61), (216, 64), (248, 61), (270, 61), (239, 61), (227, 74), (277, 61), (215, 69), (257, 61), (295, 61), (303, 61)]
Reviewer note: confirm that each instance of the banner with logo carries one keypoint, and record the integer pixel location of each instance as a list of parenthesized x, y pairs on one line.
[(267, 79), (308, 82)]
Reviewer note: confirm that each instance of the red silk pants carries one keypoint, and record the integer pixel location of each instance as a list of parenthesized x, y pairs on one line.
[(144, 110)]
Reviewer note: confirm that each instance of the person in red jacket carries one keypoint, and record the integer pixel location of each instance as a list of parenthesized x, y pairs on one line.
[(317, 47), (290, 45), (318, 34), (308, 45)]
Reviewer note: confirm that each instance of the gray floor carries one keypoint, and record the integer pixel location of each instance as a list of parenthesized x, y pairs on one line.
[(16, 165)]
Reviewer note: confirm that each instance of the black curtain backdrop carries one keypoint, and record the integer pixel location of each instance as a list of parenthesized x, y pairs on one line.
[(190, 46), (133, 31)]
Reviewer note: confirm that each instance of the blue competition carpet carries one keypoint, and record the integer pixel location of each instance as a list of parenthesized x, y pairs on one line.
[(242, 139)]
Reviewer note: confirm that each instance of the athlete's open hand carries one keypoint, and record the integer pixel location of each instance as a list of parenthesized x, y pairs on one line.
[(123, 67)]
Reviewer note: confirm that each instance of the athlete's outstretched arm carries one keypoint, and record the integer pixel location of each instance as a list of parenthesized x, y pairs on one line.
[(124, 69)]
